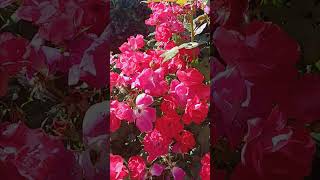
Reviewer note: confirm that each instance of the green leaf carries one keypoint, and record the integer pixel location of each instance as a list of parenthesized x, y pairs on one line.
[(170, 54), (189, 45), (200, 29), (174, 51)]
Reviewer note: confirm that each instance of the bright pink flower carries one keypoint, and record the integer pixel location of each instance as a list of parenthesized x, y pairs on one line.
[(114, 122), (163, 33), (169, 45), (200, 90), (169, 105), (163, 13), (180, 92), (132, 62), (189, 54), (156, 59), (152, 82), (145, 115), (175, 64), (205, 167), (185, 142), (122, 110), (191, 85), (169, 125), (119, 111), (190, 76), (118, 170), (136, 42), (137, 168), (178, 173), (157, 169), (196, 111), (117, 80), (113, 79), (133, 44), (155, 144)]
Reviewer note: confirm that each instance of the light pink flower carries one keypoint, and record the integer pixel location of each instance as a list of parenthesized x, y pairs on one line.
[(145, 115)]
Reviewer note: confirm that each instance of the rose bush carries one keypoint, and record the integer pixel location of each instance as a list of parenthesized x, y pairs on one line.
[(214, 90), (159, 88)]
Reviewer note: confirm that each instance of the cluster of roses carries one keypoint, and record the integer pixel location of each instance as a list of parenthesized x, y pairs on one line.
[(260, 101), (77, 33), (71, 44), (161, 96)]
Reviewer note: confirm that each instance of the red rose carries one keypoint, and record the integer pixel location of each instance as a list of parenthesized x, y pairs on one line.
[(118, 170), (137, 168), (185, 141), (169, 125), (205, 167), (156, 144), (196, 111)]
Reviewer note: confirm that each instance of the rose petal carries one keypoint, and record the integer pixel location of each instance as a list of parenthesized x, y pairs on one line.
[(157, 169), (144, 100), (178, 173)]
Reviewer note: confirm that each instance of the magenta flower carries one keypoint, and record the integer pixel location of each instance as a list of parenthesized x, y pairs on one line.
[(145, 115), (152, 82), (178, 173), (157, 169)]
